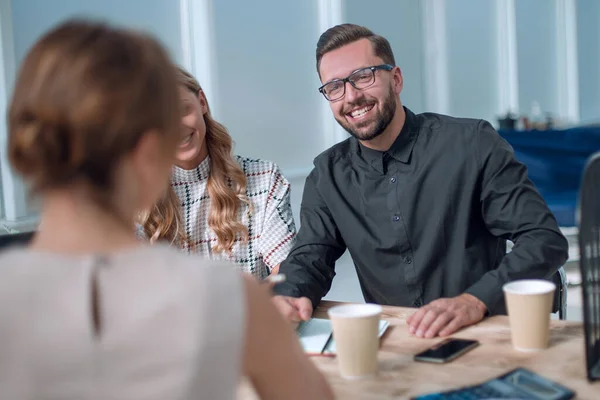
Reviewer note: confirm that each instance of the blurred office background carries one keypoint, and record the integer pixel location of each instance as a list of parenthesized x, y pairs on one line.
[(255, 60)]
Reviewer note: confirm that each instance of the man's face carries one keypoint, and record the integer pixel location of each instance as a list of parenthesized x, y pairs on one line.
[(364, 113)]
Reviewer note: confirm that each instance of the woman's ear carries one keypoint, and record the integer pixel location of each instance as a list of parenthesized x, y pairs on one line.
[(152, 165), (203, 101)]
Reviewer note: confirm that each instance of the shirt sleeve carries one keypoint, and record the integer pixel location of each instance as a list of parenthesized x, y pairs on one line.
[(310, 267), (513, 209), (279, 231)]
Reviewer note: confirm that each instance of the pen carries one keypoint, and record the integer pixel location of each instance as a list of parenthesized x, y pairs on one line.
[(330, 355)]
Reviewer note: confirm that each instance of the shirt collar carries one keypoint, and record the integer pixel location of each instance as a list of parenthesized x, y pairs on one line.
[(400, 150), (199, 173)]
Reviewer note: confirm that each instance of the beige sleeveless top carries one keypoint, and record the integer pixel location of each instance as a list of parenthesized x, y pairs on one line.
[(148, 323)]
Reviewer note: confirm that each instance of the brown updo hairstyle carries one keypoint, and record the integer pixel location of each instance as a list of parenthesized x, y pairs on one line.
[(84, 96)]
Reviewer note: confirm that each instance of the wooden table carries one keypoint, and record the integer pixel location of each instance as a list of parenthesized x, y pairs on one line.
[(400, 377)]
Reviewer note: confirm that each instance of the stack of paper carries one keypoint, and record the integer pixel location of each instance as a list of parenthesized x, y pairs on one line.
[(316, 335)]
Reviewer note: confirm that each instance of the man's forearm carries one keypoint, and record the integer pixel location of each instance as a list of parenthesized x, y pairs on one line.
[(536, 255), (307, 275)]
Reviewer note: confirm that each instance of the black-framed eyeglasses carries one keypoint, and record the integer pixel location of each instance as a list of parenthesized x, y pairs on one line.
[(359, 79)]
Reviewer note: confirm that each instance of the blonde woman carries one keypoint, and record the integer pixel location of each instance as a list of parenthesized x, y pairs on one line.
[(87, 311), (222, 206)]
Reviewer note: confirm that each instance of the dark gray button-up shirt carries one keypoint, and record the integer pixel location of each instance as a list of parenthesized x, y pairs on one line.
[(428, 218)]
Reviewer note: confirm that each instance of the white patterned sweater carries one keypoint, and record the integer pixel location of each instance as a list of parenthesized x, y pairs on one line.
[(271, 228)]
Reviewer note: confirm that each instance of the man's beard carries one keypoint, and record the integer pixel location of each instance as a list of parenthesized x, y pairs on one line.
[(383, 119)]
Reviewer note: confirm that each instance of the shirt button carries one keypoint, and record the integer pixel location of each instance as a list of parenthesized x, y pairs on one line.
[(407, 259), (396, 218), (417, 303), (393, 180)]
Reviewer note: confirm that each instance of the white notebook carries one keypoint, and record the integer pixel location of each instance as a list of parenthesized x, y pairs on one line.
[(316, 335)]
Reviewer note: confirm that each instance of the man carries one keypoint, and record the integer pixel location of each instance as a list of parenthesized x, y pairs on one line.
[(424, 203)]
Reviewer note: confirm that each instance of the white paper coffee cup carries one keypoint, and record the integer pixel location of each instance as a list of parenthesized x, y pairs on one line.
[(356, 335), (529, 304)]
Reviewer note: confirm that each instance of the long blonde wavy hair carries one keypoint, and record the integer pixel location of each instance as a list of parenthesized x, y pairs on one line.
[(226, 188)]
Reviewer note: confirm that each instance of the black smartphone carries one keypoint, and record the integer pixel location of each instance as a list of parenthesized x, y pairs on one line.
[(446, 350)]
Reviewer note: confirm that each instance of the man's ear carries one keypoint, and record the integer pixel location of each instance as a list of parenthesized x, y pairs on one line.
[(398, 79)]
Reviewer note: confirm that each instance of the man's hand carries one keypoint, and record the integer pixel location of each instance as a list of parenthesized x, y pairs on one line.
[(443, 317), (275, 270), (294, 309), (273, 280)]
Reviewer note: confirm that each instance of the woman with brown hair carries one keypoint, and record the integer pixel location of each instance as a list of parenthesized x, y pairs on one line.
[(222, 206), (87, 311)]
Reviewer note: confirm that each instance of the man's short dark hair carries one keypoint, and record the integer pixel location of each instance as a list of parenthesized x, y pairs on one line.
[(341, 35)]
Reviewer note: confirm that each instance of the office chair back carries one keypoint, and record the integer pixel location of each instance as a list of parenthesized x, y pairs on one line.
[(589, 263)]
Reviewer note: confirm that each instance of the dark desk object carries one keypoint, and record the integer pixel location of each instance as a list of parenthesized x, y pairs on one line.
[(589, 264), (518, 384), (508, 122), (555, 160), (11, 239), (559, 304)]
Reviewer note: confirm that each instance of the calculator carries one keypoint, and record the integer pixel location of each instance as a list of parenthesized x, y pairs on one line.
[(518, 384)]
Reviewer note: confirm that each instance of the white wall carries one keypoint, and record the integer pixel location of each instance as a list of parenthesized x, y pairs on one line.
[(267, 84), (537, 54), (31, 18), (472, 59), (400, 24), (588, 33), (14, 203), (266, 79)]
